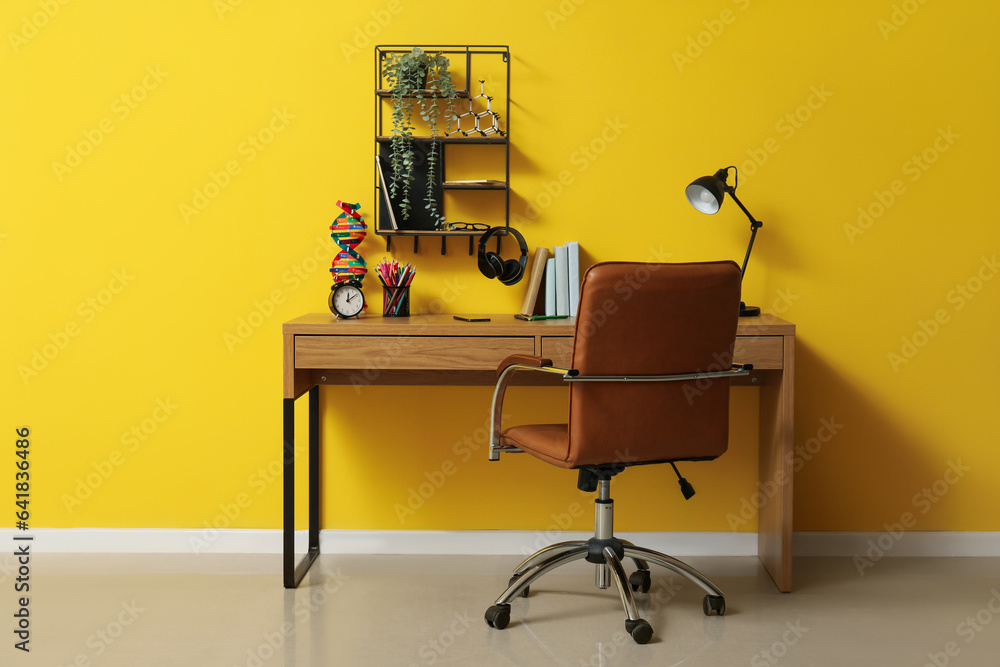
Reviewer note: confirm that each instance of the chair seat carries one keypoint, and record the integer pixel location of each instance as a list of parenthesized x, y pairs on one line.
[(549, 442)]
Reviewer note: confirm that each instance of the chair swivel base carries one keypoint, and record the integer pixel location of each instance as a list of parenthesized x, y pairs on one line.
[(607, 553)]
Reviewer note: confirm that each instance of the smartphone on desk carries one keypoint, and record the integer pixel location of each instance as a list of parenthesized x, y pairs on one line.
[(471, 318)]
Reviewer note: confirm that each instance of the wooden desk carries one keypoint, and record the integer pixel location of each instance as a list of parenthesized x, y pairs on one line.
[(438, 350)]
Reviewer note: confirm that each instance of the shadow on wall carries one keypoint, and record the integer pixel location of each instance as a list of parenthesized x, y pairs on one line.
[(856, 469)]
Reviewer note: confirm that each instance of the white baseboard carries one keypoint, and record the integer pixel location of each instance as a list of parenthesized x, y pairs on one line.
[(470, 542), (898, 543), (490, 542), (505, 542)]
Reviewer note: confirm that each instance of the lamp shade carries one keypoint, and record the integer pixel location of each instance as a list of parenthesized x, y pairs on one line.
[(706, 193)]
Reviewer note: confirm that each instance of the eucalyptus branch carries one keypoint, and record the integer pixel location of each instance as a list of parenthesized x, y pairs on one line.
[(405, 73)]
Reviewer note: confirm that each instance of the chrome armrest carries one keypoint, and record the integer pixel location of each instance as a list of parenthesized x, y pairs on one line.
[(572, 375), (498, 394), (736, 370)]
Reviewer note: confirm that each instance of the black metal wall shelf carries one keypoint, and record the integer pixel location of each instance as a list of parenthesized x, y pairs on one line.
[(450, 140), (463, 66), (472, 186), (385, 92), (417, 234)]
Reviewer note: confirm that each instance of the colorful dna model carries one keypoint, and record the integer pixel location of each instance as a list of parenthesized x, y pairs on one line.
[(348, 231)]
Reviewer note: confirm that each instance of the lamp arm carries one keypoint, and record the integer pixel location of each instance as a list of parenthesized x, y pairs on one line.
[(754, 223), (754, 226), (753, 233)]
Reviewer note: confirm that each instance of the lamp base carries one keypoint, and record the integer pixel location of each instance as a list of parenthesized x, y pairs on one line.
[(749, 311)]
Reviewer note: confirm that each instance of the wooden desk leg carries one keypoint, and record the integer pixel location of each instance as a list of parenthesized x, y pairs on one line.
[(293, 573), (777, 433)]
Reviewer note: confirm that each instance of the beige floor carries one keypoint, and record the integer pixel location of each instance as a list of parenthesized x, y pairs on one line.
[(230, 611)]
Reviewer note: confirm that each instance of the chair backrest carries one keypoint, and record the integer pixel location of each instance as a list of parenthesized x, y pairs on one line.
[(653, 319)]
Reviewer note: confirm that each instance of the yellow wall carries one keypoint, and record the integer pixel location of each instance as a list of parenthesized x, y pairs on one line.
[(121, 307)]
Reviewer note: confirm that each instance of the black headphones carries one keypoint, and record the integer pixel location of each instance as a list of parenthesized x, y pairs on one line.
[(493, 265)]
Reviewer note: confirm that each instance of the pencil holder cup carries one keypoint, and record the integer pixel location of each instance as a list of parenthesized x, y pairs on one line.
[(395, 301)]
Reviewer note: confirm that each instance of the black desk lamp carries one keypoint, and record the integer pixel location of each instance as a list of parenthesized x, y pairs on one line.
[(706, 195)]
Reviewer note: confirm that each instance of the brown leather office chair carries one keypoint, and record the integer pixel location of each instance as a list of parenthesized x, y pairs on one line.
[(649, 383)]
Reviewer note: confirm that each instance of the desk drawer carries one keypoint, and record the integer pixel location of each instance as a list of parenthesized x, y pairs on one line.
[(764, 352), (408, 352), (559, 349)]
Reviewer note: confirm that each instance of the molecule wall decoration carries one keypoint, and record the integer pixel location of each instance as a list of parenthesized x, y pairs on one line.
[(483, 123), (348, 231)]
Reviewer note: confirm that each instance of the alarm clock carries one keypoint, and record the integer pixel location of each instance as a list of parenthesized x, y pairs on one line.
[(346, 299)]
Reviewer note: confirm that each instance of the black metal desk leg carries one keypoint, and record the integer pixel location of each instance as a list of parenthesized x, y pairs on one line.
[(314, 470), (293, 573)]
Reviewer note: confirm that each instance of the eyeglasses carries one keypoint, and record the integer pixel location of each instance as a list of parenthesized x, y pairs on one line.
[(466, 226)]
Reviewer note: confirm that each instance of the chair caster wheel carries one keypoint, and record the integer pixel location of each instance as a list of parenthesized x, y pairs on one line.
[(715, 603), (498, 616), (640, 630), (524, 593), (640, 581)]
